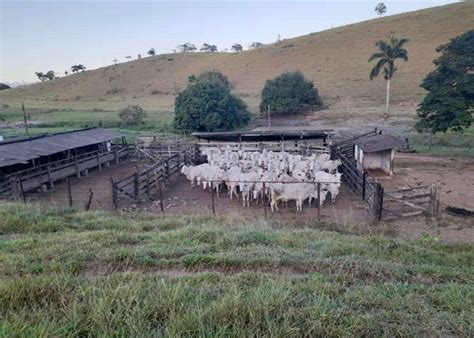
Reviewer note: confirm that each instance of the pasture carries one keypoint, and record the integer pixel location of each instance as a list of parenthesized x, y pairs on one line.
[(67, 272)]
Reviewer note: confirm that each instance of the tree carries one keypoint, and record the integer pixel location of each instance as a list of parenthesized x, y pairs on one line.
[(289, 93), (208, 48), (40, 76), (151, 52), (211, 76), (128, 57), (388, 53), (187, 47), (380, 9), (50, 75), (206, 106), (255, 45), (449, 103), (66, 73), (77, 68), (4, 86), (132, 115), (237, 48)]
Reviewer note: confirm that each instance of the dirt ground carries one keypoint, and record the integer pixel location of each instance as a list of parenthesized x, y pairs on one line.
[(455, 176)]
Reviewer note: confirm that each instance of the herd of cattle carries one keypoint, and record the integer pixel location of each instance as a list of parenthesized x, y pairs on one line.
[(281, 176)]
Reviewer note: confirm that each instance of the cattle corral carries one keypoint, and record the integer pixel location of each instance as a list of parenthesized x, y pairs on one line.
[(150, 180)]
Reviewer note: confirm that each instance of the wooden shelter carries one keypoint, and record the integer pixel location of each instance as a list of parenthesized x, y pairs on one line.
[(35, 161), (294, 139), (376, 152)]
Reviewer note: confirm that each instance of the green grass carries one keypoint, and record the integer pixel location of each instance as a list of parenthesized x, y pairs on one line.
[(65, 120), (67, 272)]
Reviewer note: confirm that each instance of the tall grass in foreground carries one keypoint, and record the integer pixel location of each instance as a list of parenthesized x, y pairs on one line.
[(65, 272)]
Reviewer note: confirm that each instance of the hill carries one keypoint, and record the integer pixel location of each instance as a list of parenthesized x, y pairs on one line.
[(335, 59)]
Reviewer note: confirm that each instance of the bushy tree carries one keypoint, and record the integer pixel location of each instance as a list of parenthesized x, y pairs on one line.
[(151, 52), (50, 75), (380, 9), (388, 53), (289, 93), (208, 48), (237, 48), (449, 103), (132, 115), (187, 47), (40, 76), (255, 45), (205, 106), (211, 76), (77, 68)]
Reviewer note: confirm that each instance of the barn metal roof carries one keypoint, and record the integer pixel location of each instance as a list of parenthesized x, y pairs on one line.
[(263, 135), (378, 142), (23, 150)]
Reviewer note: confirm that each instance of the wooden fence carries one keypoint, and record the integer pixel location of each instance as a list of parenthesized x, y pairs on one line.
[(147, 183), (361, 182), (411, 202), (20, 182)]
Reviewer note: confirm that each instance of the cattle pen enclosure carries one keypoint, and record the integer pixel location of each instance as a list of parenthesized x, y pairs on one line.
[(148, 178)]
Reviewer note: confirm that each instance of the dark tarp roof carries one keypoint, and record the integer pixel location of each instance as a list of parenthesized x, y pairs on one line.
[(23, 150), (378, 142), (263, 135)]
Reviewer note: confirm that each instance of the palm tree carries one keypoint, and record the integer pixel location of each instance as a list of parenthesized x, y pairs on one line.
[(388, 53)]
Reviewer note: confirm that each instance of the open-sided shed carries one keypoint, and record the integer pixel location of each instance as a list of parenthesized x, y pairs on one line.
[(35, 161)]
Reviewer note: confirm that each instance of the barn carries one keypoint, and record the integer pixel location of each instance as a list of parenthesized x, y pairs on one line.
[(37, 162), (376, 152), (297, 139)]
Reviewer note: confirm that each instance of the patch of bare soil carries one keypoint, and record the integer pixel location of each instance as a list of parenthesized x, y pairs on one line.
[(455, 176)]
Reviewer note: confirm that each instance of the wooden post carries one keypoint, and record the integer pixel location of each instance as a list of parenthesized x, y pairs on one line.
[(22, 190), (148, 183), (25, 118), (160, 191), (98, 161), (167, 168), (136, 186), (434, 199), (213, 204), (89, 201), (78, 172), (264, 202), (319, 201), (69, 192), (378, 202), (380, 208), (51, 183), (116, 154), (114, 194), (364, 181)]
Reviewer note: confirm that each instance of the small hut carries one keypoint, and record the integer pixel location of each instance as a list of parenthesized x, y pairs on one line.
[(376, 152)]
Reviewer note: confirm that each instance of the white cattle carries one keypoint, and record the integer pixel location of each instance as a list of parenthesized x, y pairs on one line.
[(291, 191)]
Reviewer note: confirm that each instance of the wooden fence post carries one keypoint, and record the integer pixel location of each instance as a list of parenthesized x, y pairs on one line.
[(319, 201), (22, 190), (116, 154), (434, 199), (136, 186), (364, 181), (114, 194), (98, 161), (264, 202), (69, 192), (148, 183), (161, 196), (78, 172), (89, 201), (378, 202), (50, 178), (212, 199)]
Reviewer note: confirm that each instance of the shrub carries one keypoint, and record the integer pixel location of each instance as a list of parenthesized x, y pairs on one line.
[(205, 106), (132, 115), (289, 93), (211, 76)]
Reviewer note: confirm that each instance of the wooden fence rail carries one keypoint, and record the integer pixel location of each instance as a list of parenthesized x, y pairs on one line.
[(147, 183)]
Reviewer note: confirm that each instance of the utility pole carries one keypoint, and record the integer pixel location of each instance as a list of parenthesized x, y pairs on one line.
[(268, 116), (25, 118)]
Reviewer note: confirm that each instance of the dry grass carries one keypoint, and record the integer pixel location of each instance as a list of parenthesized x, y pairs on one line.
[(336, 60)]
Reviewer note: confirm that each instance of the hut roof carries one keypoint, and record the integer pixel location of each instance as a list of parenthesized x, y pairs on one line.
[(25, 149), (263, 134), (379, 142)]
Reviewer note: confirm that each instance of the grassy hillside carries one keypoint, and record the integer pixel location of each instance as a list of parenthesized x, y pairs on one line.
[(336, 60), (65, 272)]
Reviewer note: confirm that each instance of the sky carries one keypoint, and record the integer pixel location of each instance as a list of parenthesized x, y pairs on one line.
[(37, 36)]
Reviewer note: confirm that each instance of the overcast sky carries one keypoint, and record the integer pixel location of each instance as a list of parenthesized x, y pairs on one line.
[(53, 35)]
